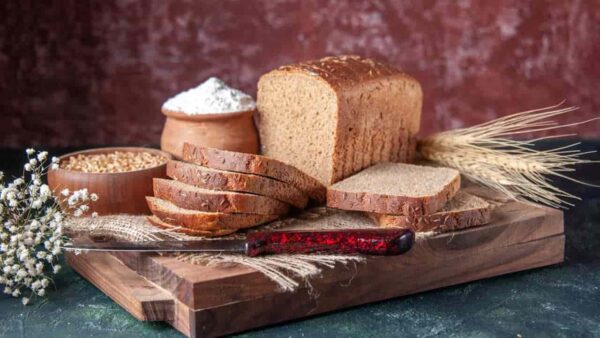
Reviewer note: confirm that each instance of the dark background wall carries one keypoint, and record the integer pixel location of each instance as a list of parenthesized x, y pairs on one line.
[(96, 72)]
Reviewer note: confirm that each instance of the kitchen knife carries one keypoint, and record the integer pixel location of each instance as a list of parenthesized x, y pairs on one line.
[(380, 242)]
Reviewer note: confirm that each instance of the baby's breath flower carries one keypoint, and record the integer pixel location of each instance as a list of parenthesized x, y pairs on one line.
[(31, 224), (42, 156), (30, 151)]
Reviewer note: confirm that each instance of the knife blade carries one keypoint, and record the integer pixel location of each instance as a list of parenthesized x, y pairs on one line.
[(379, 242)]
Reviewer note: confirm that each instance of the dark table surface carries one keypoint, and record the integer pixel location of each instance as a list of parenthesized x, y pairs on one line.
[(556, 301)]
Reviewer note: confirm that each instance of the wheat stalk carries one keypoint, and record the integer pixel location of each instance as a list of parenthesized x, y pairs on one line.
[(487, 154)]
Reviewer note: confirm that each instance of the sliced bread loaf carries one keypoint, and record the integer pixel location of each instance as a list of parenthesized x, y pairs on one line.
[(338, 115), (194, 198), (254, 164), (396, 188), (462, 211), (215, 179), (157, 222), (201, 220)]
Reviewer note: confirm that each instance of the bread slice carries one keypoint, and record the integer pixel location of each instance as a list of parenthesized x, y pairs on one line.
[(194, 198), (462, 211), (157, 222), (203, 221), (254, 164), (215, 179), (396, 188), (338, 115)]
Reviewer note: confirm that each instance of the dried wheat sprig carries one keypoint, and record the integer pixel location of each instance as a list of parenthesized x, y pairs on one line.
[(486, 154)]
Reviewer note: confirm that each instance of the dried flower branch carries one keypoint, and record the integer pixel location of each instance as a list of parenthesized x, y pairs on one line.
[(486, 154), (31, 223)]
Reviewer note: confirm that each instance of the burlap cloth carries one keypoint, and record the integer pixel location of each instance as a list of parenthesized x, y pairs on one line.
[(288, 271)]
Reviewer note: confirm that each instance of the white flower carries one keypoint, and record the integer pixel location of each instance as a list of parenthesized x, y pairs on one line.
[(54, 166), (25, 300), (45, 282), (94, 214), (55, 159), (30, 151), (78, 213), (35, 224), (37, 204), (1, 175), (65, 192), (16, 293), (73, 199), (33, 161), (41, 293), (17, 182), (41, 254), (94, 197), (27, 167), (37, 182), (42, 156), (7, 290), (56, 269)]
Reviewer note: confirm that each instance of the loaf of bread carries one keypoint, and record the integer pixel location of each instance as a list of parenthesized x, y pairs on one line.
[(462, 211), (157, 222), (215, 179), (336, 116), (194, 198), (396, 188), (254, 164), (217, 223)]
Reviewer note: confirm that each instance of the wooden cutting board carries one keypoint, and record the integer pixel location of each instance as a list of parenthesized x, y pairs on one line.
[(209, 301)]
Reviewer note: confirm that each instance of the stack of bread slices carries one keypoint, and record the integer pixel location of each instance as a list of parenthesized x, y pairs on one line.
[(216, 192), (421, 198)]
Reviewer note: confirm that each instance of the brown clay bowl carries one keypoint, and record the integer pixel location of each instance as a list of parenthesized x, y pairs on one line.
[(229, 131), (119, 193)]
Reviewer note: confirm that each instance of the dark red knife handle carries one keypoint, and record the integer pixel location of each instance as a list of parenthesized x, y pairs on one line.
[(380, 242)]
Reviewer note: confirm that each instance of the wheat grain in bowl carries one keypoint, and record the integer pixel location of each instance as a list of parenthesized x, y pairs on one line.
[(120, 176), (113, 162)]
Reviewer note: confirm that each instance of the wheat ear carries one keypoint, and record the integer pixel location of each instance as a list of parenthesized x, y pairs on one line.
[(487, 154)]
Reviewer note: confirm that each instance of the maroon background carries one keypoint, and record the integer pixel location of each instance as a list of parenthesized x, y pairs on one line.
[(97, 72)]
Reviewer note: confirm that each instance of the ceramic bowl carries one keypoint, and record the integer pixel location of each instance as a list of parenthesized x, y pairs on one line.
[(229, 131), (119, 193)]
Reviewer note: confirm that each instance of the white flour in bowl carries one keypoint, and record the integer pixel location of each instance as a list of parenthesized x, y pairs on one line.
[(213, 96)]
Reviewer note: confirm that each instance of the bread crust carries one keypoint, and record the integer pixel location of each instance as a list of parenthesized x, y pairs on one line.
[(367, 131), (157, 222), (194, 174), (207, 221), (188, 197), (442, 221), (387, 204), (254, 164)]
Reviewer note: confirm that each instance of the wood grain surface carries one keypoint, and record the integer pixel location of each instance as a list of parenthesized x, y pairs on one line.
[(210, 301)]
